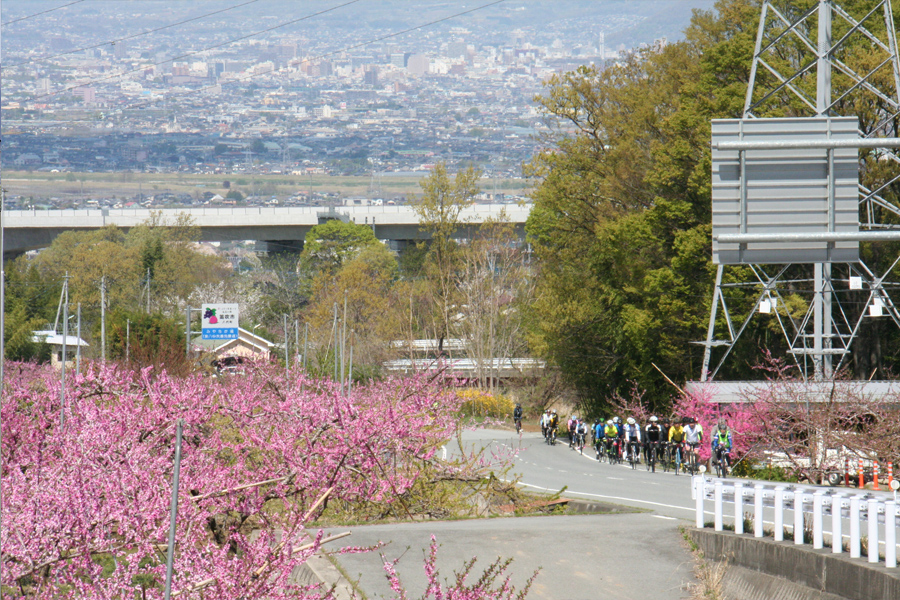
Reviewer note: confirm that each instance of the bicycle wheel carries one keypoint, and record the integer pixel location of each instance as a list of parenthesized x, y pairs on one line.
[(631, 456), (653, 458), (676, 460)]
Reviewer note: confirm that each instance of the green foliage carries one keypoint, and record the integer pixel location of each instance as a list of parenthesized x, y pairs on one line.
[(754, 470), (18, 334), (144, 339), (329, 245), (621, 223)]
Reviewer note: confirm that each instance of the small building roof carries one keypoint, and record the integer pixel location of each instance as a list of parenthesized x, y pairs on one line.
[(56, 339)]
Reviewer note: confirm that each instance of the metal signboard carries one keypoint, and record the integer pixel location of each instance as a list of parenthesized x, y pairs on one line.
[(803, 187), (219, 321)]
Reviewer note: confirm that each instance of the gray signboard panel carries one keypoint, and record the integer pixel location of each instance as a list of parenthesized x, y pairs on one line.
[(784, 191)]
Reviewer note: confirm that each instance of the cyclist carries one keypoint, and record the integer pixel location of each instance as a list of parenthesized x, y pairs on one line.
[(599, 434), (632, 440), (545, 423), (571, 426), (517, 417), (610, 435), (653, 435), (721, 442), (676, 439), (553, 424), (581, 430), (620, 428), (693, 437)]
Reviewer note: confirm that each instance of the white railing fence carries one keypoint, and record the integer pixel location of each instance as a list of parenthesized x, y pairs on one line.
[(879, 512)]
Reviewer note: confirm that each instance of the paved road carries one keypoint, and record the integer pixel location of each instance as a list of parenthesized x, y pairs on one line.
[(616, 556), (549, 469)]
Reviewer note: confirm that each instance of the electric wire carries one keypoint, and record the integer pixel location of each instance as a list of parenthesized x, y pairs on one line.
[(195, 52), (43, 12), (131, 37)]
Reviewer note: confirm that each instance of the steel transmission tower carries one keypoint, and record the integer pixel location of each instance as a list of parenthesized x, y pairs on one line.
[(816, 60)]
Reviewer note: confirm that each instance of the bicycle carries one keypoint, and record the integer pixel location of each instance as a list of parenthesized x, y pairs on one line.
[(676, 456), (552, 437), (723, 459), (612, 453), (652, 456), (692, 459), (632, 453), (518, 425), (579, 442)]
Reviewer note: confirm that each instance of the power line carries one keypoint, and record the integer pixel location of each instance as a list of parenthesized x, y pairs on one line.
[(43, 12), (131, 37), (327, 54), (195, 52)]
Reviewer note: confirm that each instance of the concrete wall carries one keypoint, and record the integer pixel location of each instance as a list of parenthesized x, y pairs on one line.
[(817, 570)]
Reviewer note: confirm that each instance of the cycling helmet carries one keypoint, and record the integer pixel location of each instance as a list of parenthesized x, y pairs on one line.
[(631, 420), (617, 420), (686, 421), (653, 419), (722, 423), (609, 422)]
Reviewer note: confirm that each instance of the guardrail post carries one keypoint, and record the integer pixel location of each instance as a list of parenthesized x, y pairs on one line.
[(699, 490), (717, 495), (798, 516), (837, 536), (758, 511), (738, 507), (854, 526), (779, 513), (890, 534), (818, 508), (873, 530)]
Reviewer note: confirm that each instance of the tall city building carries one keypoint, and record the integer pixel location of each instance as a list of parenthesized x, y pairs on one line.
[(418, 65)]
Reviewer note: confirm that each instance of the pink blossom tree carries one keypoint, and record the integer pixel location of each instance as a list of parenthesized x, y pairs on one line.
[(86, 484)]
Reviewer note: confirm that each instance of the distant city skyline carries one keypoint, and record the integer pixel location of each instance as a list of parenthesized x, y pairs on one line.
[(278, 87)]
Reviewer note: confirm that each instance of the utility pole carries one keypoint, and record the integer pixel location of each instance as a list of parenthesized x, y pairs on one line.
[(103, 319), (297, 341), (148, 290), (78, 344), (128, 340), (287, 350), (62, 387), (343, 342)]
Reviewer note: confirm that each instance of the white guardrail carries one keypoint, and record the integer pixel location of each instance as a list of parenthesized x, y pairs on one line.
[(880, 513)]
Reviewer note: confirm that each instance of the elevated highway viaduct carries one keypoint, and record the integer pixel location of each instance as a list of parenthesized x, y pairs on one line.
[(279, 227)]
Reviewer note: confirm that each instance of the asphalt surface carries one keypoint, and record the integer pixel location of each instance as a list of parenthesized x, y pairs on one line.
[(616, 556)]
